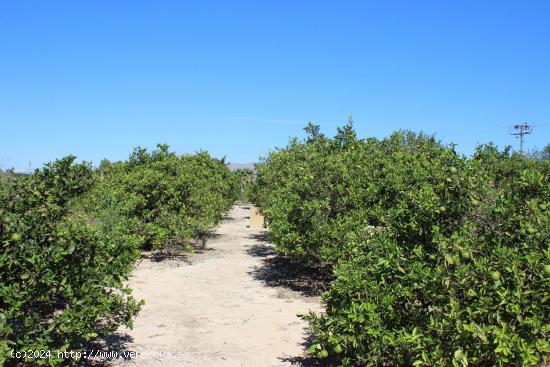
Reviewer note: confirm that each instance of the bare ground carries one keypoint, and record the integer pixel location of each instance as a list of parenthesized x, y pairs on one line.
[(233, 304)]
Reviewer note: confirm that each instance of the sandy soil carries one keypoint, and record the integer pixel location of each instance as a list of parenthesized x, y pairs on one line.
[(234, 304)]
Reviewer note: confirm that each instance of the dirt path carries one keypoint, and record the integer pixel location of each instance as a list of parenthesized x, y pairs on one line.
[(235, 305)]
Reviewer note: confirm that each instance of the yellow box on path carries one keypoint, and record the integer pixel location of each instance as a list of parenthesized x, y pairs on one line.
[(256, 219)]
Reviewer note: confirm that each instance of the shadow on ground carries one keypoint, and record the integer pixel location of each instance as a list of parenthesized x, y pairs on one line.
[(304, 361), (103, 351), (159, 256), (182, 251), (262, 237), (281, 272)]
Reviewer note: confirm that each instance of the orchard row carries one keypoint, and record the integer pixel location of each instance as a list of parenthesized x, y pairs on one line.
[(438, 259), (69, 237)]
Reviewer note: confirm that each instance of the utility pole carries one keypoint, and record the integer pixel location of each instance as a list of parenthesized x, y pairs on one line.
[(522, 130)]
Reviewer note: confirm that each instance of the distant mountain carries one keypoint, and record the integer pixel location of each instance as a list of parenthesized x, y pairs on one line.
[(234, 166)]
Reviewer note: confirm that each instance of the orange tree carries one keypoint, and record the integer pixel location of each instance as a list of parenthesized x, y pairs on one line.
[(160, 198), (61, 280), (438, 259)]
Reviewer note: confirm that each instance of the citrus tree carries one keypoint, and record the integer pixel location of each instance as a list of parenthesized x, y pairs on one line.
[(160, 198), (439, 259), (61, 280)]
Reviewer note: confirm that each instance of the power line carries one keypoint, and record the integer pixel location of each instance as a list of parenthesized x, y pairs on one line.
[(522, 130)]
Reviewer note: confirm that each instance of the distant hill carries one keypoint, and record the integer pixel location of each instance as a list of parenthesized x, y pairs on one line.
[(234, 166)]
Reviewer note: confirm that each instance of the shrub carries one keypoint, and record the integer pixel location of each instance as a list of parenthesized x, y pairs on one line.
[(303, 192), (160, 198), (61, 281), (439, 259), (323, 194), (475, 294)]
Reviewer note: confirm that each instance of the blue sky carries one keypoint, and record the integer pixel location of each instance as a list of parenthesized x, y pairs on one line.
[(237, 78)]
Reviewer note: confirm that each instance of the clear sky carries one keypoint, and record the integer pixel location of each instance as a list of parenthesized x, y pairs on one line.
[(237, 78)]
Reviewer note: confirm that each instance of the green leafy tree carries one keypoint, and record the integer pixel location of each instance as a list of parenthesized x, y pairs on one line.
[(61, 280), (439, 259), (160, 199)]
